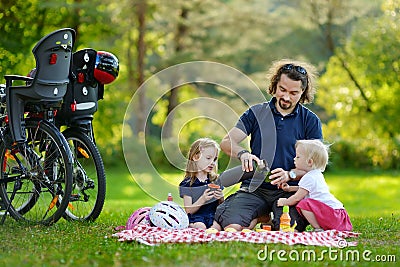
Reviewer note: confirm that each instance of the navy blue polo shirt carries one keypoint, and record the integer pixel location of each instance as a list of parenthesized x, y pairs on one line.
[(273, 136)]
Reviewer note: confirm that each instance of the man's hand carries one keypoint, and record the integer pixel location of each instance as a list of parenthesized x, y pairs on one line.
[(247, 161), (279, 177)]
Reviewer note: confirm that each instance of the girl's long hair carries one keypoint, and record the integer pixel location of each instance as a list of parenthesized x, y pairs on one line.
[(195, 150)]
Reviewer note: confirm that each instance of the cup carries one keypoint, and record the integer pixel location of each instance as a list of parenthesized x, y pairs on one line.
[(213, 187)]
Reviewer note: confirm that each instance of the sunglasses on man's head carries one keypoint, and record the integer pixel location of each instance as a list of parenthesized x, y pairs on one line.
[(299, 69)]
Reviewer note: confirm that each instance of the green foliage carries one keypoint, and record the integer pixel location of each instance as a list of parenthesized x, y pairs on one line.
[(363, 96), (156, 149), (16, 40), (365, 154), (108, 124), (245, 35)]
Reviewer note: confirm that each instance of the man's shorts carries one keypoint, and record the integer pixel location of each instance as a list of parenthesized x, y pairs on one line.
[(240, 208)]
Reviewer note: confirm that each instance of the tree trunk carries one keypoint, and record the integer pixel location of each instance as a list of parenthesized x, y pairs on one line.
[(173, 96), (141, 15)]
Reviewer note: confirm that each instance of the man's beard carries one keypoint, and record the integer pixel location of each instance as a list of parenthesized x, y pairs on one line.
[(285, 105)]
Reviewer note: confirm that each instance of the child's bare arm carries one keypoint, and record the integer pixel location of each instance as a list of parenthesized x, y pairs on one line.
[(293, 200), (289, 188), (191, 207)]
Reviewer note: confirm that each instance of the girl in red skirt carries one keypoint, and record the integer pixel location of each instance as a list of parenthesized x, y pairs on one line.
[(314, 201)]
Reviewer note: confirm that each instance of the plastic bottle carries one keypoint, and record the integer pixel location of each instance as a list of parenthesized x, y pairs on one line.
[(285, 220), (170, 198)]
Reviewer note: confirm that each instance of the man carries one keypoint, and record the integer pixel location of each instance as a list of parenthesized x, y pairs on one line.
[(273, 128)]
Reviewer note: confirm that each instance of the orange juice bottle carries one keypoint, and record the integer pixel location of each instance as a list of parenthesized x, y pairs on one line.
[(285, 220)]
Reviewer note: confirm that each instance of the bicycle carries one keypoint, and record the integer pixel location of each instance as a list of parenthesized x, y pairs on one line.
[(76, 114), (36, 163)]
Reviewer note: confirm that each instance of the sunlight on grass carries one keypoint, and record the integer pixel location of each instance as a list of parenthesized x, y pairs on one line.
[(129, 191), (366, 194), (173, 178)]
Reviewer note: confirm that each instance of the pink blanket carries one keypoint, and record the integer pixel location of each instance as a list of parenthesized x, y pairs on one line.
[(155, 235)]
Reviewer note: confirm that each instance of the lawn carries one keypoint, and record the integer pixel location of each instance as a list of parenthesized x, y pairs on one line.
[(372, 200)]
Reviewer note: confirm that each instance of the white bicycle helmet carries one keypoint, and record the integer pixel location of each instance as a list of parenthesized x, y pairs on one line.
[(140, 216), (169, 215)]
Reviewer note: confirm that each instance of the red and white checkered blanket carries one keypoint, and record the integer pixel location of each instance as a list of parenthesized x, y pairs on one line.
[(155, 235)]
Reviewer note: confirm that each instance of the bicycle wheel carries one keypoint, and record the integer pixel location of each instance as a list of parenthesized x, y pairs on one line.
[(36, 177), (89, 179)]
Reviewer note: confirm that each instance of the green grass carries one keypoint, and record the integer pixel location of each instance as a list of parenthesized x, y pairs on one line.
[(372, 200)]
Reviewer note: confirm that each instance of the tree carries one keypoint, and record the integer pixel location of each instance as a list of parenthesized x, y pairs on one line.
[(199, 30), (364, 105), (20, 31), (140, 9), (149, 36), (181, 31)]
